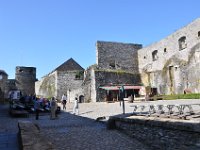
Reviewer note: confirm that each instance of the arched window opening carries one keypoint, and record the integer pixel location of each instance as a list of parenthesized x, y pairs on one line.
[(199, 34), (155, 55), (182, 43), (165, 50)]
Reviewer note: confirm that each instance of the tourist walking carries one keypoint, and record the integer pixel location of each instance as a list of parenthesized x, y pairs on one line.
[(37, 108), (64, 101), (53, 105), (75, 109)]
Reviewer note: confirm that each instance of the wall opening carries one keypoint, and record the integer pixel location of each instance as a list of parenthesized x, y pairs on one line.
[(171, 79), (112, 64), (182, 43), (79, 75), (81, 99), (198, 34), (155, 55), (165, 50)]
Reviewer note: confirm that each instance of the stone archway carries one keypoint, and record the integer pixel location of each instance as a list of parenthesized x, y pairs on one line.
[(81, 99)]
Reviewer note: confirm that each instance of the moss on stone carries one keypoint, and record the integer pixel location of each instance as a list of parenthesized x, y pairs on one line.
[(117, 71)]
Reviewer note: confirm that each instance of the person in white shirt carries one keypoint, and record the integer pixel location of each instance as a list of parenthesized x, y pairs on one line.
[(64, 101), (75, 109)]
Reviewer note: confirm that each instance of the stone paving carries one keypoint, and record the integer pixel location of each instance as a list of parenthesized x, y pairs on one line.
[(8, 130), (76, 132), (71, 132), (95, 110)]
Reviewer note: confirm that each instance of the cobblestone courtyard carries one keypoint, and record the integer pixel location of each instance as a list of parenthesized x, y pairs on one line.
[(69, 131), (76, 132)]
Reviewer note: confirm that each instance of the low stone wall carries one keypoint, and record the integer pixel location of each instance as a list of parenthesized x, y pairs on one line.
[(30, 137), (160, 133)]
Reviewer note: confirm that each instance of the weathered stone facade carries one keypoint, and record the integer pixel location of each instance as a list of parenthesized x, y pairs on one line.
[(10, 86), (173, 64), (89, 85), (113, 78), (115, 55), (160, 133), (117, 63), (66, 79), (25, 79), (46, 87), (3, 80), (97, 78)]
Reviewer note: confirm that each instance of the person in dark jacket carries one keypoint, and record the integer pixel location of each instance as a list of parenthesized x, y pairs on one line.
[(37, 108)]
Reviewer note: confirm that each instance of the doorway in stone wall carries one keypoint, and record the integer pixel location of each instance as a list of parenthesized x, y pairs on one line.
[(81, 99), (171, 79)]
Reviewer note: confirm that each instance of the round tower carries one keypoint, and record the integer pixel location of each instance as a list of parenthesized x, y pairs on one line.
[(3, 80), (25, 79)]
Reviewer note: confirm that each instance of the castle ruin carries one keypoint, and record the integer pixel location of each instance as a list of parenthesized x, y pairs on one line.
[(24, 82), (171, 65), (117, 64)]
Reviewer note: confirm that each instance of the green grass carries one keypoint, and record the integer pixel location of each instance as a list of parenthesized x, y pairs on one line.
[(182, 96)]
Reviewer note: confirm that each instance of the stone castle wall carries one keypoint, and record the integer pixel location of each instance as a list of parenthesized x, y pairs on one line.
[(113, 55), (96, 78), (89, 85), (160, 133), (46, 87), (58, 83), (171, 64), (103, 78), (25, 79), (3, 82), (68, 83), (10, 85), (117, 63)]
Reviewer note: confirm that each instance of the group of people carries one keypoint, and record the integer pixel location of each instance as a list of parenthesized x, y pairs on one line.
[(52, 105), (64, 102)]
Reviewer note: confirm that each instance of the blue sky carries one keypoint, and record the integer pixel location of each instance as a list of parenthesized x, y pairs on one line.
[(46, 33)]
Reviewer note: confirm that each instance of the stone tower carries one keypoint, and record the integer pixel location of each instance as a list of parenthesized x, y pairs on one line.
[(3, 80), (25, 79)]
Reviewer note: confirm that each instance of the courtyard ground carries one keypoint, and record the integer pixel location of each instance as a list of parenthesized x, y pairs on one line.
[(81, 131)]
